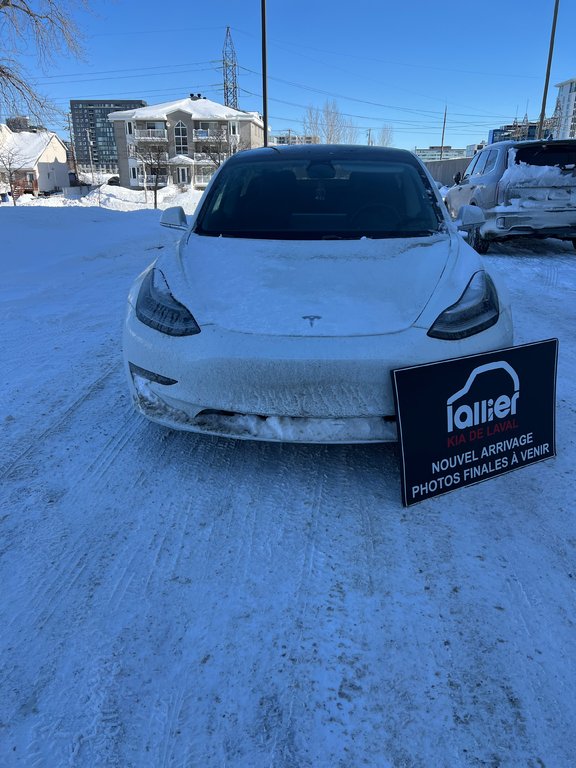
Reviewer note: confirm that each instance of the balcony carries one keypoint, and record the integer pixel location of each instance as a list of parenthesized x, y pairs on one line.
[(151, 134), (147, 151), (150, 181), (200, 134), (203, 157)]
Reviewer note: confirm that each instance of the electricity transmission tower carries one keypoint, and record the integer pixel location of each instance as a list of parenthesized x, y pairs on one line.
[(230, 69)]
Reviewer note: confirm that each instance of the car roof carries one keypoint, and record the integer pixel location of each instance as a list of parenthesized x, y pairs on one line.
[(324, 152), (529, 142)]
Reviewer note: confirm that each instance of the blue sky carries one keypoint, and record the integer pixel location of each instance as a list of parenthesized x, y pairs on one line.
[(385, 64)]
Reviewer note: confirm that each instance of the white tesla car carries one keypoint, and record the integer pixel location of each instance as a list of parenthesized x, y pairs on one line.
[(305, 276)]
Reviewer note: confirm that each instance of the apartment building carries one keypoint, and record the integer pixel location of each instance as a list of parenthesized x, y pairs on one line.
[(94, 142), (181, 142), (566, 128)]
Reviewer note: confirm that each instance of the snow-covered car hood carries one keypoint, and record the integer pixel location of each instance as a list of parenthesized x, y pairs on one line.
[(312, 288)]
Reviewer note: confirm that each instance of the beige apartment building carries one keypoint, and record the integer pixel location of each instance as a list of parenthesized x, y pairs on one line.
[(181, 142)]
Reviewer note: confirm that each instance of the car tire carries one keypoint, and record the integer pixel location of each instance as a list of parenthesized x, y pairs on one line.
[(480, 244)]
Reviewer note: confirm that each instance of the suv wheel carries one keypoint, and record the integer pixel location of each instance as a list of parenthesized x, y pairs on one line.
[(480, 244)]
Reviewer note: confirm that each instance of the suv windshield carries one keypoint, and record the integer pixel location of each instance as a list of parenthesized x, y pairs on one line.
[(303, 199)]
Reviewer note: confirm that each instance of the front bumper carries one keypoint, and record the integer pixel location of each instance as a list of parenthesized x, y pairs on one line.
[(293, 389)]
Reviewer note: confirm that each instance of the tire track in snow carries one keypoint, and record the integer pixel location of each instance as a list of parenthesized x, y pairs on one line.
[(93, 388)]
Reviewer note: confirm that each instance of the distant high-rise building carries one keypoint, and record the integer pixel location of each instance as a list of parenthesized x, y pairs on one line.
[(516, 131), (566, 128), (94, 141)]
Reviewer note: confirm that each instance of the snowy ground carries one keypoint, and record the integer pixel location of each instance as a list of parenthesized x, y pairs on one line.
[(172, 600)]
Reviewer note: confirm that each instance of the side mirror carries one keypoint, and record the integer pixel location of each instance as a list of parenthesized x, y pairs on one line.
[(175, 218), (470, 216), (457, 177)]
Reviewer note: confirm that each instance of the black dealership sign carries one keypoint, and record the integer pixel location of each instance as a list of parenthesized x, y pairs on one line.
[(472, 418)]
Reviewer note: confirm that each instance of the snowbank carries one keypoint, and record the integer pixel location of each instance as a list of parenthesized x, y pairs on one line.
[(121, 199)]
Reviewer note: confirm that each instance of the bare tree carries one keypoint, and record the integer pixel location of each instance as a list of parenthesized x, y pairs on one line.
[(48, 24), (312, 121), (385, 136), (12, 161), (153, 157), (216, 146), (329, 124)]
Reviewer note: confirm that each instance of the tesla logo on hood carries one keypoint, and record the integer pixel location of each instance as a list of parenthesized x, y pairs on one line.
[(311, 319)]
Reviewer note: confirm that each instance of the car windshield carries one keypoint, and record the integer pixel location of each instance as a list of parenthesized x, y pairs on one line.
[(303, 199)]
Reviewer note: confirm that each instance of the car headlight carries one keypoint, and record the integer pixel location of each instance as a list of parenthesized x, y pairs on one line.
[(157, 308), (476, 310)]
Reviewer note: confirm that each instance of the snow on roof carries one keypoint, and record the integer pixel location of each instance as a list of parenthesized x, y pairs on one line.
[(27, 146), (198, 109), (181, 160)]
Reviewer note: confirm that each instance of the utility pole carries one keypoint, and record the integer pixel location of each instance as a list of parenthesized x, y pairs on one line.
[(90, 154), (369, 137), (72, 146), (550, 52), (264, 75), (443, 131)]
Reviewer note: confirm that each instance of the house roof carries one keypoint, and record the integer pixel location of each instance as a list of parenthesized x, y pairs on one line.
[(197, 108), (181, 160), (26, 146)]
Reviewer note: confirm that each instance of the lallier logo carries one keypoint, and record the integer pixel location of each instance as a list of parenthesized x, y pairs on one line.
[(472, 417)]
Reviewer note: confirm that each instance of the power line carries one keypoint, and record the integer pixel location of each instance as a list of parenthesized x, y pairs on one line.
[(40, 80), (364, 101)]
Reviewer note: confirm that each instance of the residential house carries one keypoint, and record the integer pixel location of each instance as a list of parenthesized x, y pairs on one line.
[(32, 162), (181, 142)]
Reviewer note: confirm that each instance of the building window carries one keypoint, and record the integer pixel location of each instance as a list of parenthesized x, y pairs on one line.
[(129, 128), (181, 138), (133, 172)]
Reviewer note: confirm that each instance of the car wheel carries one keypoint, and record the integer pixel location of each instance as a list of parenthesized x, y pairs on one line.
[(480, 244)]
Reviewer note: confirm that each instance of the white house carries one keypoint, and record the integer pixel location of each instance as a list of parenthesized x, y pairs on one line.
[(181, 141), (32, 162)]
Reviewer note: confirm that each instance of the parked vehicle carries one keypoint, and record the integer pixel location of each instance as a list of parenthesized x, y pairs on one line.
[(307, 274), (525, 188)]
